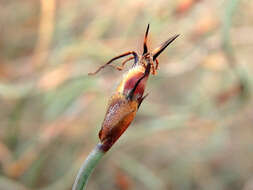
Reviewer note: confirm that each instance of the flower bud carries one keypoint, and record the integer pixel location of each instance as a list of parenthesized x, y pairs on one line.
[(123, 106)]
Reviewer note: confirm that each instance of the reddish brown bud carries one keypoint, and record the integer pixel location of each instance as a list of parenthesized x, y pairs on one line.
[(123, 106)]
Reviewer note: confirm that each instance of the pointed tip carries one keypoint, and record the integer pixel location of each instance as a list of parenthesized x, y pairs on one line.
[(147, 30), (160, 49), (177, 35), (145, 48)]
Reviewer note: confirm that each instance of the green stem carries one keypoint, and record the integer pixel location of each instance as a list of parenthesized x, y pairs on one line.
[(88, 166)]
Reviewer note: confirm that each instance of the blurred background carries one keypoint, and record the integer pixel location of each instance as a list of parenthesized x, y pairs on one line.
[(194, 130)]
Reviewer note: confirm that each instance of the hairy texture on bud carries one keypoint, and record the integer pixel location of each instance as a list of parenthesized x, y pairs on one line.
[(119, 116), (123, 106)]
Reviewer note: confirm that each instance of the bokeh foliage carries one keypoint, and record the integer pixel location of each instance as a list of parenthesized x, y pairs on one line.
[(194, 131)]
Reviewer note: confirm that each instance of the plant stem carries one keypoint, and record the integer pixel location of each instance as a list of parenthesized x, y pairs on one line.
[(88, 166)]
